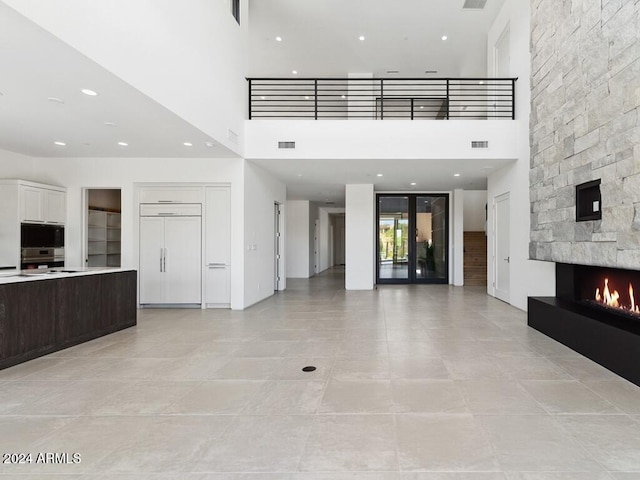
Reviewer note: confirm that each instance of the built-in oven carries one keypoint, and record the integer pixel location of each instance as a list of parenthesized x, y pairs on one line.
[(41, 258), (42, 246)]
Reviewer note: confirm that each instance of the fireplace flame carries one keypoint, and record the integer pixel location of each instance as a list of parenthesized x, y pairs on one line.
[(612, 299)]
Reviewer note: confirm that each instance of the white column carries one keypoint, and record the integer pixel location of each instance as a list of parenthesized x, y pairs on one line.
[(297, 249), (360, 239), (458, 237)]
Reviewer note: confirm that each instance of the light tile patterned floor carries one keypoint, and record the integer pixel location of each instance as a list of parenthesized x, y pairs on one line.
[(412, 383)]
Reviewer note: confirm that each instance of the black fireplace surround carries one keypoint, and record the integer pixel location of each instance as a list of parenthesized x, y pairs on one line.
[(578, 317)]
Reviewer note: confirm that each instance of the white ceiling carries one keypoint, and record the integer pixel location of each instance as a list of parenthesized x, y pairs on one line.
[(36, 65), (321, 37)]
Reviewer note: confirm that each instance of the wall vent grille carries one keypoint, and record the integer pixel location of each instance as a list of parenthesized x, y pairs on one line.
[(474, 4), (479, 144), (286, 144)]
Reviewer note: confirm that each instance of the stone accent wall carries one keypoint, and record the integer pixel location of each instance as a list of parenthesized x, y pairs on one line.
[(585, 126)]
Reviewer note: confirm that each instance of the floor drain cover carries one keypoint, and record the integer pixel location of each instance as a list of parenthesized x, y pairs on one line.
[(308, 369)]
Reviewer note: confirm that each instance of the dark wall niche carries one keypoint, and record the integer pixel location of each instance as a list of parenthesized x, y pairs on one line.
[(588, 201)]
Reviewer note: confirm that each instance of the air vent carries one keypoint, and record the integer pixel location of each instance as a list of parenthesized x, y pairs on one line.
[(329, 203), (474, 4), (479, 144), (393, 72), (286, 144)]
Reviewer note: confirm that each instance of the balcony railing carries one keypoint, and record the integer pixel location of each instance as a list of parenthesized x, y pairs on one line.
[(382, 99)]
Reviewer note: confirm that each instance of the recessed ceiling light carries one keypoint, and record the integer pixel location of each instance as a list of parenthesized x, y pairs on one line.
[(60, 144), (481, 82), (361, 38), (413, 184), (306, 97), (299, 174), (278, 38), (444, 37), (263, 98), (91, 93), (110, 124), (344, 96), (421, 106), (55, 99), (295, 72), (209, 144), (123, 144), (456, 174), (379, 175), (188, 144)]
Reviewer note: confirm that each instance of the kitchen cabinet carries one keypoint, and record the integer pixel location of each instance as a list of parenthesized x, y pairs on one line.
[(217, 250), (171, 195), (39, 316), (42, 205), (170, 254), (21, 202)]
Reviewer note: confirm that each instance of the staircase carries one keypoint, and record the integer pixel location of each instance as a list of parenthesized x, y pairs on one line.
[(475, 258)]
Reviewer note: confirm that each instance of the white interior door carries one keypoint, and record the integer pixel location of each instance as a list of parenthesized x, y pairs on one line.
[(502, 259), (182, 251)]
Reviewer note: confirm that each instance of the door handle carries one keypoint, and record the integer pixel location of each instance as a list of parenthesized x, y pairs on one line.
[(165, 260), (161, 250), (507, 260)]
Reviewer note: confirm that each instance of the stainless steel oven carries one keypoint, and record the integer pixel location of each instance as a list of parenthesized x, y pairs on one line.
[(41, 258)]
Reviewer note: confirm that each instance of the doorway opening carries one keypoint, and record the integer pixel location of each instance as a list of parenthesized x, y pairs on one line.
[(413, 238), (103, 227)]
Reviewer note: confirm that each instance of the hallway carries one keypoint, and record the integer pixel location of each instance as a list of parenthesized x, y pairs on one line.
[(411, 382)]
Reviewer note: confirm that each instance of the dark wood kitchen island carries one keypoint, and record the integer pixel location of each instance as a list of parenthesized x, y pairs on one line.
[(41, 313)]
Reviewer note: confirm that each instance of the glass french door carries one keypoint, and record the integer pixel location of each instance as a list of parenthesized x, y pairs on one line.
[(413, 238)]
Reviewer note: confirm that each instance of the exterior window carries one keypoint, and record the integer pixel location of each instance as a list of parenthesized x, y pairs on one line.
[(235, 10)]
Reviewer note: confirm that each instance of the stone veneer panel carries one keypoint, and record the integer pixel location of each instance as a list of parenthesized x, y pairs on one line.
[(585, 126)]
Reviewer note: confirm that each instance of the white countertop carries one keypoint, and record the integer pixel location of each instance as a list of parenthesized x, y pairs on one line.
[(17, 276)]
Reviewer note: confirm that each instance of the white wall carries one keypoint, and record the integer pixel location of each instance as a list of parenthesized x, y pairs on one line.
[(261, 191), (527, 277), (474, 210), (297, 224), (14, 165), (360, 238), (398, 139), (190, 56)]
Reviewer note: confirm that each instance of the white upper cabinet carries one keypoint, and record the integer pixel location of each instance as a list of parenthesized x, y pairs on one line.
[(42, 205), (32, 204), (55, 207), (171, 195)]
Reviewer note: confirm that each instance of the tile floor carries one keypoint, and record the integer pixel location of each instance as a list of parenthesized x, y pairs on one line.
[(412, 383)]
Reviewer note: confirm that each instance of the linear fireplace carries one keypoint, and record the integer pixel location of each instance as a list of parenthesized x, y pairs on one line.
[(595, 312)]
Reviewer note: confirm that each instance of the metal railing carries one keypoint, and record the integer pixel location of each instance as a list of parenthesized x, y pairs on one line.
[(382, 98)]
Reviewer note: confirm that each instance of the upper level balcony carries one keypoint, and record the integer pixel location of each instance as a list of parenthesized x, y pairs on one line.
[(382, 98)]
